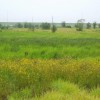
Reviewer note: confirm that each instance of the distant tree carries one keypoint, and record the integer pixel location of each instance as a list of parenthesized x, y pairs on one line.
[(26, 25), (99, 25), (37, 26), (3, 27), (94, 25), (88, 25), (80, 25), (68, 26), (54, 28), (45, 25), (31, 26), (19, 25), (0, 26), (63, 24), (76, 25)]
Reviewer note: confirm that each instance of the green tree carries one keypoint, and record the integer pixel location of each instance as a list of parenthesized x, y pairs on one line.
[(26, 25), (80, 25), (99, 25), (0, 26), (94, 25), (63, 24), (31, 26), (68, 26), (37, 26), (19, 25), (88, 25), (45, 25), (54, 28)]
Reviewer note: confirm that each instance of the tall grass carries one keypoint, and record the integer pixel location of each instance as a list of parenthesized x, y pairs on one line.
[(30, 62), (66, 91), (37, 75), (61, 90), (46, 45)]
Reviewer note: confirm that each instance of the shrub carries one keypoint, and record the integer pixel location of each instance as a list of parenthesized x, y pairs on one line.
[(64, 87), (26, 25), (94, 25), (88, 25), (37, 26), (99, 25), (68, 27), (54, 28), (80, 25), (19, 25), (0, 26), (45, 25), (31, 26), (63, 24)]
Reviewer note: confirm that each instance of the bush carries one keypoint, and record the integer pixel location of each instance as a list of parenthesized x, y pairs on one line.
[(99, 25), (19, 25), (26, 25), (31, 26), (80, 25), (45, 25), (94, 25), (88, 25), (0, 26), (68, 27), (63, 24), (54, 28)]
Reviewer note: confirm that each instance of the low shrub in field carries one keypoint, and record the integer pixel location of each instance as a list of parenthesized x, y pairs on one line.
[(59, 96), (62, 90), (16, 75), (64, 87)]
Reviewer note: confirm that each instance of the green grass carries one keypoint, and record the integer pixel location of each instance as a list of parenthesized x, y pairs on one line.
[(60, 90), (41, 65), (96, 92), (46, 45), (23, 78)]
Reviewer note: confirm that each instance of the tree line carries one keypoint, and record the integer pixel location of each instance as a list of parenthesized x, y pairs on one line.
[(45, 26), (80, 25)]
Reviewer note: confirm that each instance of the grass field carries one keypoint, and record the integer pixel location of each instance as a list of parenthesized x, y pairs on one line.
[(41, 65), (47, 45)]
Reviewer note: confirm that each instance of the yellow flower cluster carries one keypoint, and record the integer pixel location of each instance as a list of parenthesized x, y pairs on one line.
[(18, 74)]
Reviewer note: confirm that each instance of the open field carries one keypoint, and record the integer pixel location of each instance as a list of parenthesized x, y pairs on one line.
[(41, 65), (44, 44)]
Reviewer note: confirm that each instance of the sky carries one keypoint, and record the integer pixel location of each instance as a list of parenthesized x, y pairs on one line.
[(43, 10)]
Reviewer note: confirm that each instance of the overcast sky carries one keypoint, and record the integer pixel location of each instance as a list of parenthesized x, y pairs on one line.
[(43, 10)]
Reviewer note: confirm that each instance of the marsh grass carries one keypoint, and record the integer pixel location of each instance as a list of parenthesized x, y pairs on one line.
[(42, 65), (61, 90), (37, 75), (46, 45)]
